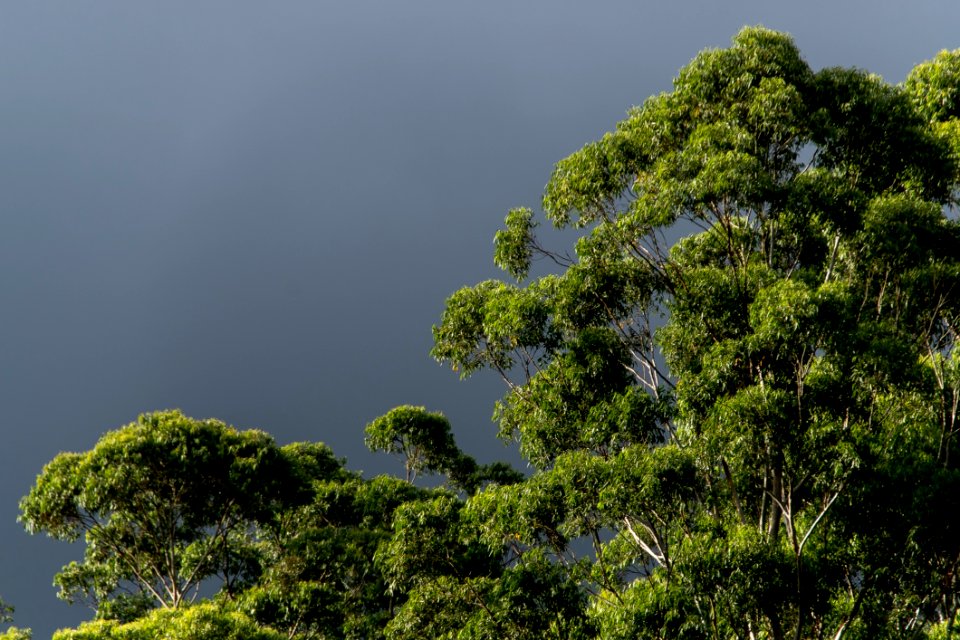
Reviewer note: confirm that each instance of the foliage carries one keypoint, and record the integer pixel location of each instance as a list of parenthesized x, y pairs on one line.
[(205, 621), (423, 438), (162, 504), (426, 442), (321, 580), (527, 602), (13, 633), (739, 395), (740, 392)]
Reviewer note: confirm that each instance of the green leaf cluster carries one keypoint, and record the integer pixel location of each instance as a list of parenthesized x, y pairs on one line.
[(737, 394), (199, 622)]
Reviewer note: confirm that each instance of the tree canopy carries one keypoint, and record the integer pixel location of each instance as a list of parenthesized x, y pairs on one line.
[(741, 386), (738, 393), (163, 505)]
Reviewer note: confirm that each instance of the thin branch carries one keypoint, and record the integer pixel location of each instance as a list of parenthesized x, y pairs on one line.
[(659, 559), (817, 520)]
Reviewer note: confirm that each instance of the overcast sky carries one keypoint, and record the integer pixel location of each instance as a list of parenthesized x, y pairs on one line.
[(255, 210)]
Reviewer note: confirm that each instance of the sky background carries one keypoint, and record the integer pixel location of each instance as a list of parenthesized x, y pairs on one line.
[(255, 211)]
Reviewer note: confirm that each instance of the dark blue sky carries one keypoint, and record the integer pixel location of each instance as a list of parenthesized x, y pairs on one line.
[(254, 211)]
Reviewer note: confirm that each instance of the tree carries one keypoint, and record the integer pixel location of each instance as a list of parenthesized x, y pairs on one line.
[(457, 586), (163, 505), (205, 621), (740, 389), (322, 578), (170, 504), (423, 438), (426, 441)]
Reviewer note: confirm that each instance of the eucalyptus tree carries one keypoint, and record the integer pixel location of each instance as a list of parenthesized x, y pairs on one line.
[(425, 440), (204, 621), (740, 387), (170, 506), (164, 505)]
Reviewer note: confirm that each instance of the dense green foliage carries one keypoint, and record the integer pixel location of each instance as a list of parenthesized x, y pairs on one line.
[(163, 505), (742, 389), (738, 395), (201, 622)]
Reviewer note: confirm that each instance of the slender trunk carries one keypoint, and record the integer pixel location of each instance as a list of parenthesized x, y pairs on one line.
[(776, 630), (776, 509), (733, 489)]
